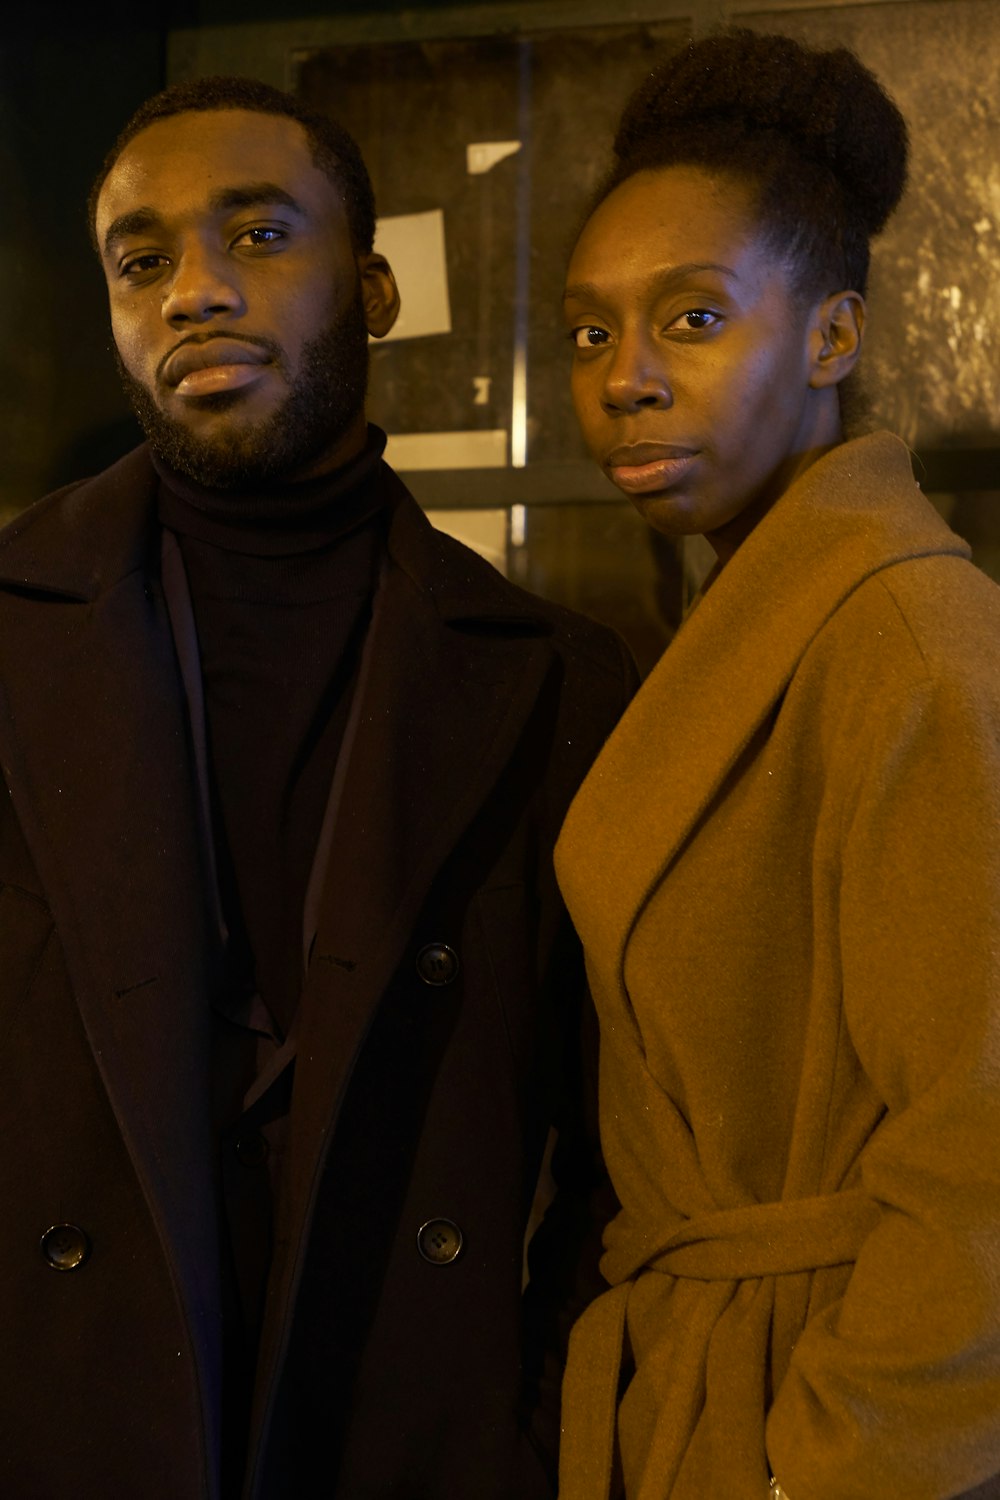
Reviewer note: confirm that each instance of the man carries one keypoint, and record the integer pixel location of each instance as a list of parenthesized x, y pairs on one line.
[(289, 1002)]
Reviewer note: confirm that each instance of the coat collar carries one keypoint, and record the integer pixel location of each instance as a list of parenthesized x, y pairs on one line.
[(80, 541), (85, 538), (459, 586), (854, 512)]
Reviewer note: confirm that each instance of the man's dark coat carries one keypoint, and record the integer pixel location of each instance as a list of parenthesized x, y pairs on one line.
[(381, 1374)]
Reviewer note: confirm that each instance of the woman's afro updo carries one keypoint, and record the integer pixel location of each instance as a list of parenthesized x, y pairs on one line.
[(814, 135)]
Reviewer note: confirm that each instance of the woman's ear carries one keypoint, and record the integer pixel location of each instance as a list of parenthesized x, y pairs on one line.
[(379, 294), (836, 341)]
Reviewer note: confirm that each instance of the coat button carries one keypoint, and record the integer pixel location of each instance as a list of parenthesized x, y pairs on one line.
[(252, 1149), (439, 1241), (437, 963), (65, 1247)]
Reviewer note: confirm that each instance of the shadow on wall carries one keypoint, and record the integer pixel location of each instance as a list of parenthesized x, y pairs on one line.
[(69, 77)]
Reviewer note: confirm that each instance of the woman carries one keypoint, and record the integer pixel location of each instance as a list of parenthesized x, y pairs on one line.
[(785, 864)]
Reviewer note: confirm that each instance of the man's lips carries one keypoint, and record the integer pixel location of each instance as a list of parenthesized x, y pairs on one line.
[(215, 364), (645, 468)]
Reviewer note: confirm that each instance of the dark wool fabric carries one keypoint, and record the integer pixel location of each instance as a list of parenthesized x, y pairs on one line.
[(281, 585)]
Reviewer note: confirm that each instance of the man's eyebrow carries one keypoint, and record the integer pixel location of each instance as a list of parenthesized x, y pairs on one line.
[(252, 195), (223, 200), (661, 280), (135, 222)]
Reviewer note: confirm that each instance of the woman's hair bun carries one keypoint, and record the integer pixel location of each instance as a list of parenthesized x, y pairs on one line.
[(740, 84)]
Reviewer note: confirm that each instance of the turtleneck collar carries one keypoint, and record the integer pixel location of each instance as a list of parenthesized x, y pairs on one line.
[(280, 519)]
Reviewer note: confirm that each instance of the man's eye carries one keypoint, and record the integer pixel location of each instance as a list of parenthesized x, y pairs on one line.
[(260, 234), (589, 336), (141, 265)]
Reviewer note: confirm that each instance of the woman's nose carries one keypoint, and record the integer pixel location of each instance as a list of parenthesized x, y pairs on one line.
[(636, 378), (204, 286)]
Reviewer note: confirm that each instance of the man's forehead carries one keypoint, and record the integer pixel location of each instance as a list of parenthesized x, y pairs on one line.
[(191, 158)]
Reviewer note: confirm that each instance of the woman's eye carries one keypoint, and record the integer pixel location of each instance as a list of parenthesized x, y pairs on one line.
[(695, 319), (589, 336)]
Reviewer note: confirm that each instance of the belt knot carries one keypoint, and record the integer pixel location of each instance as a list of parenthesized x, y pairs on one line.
[(759, 1239)]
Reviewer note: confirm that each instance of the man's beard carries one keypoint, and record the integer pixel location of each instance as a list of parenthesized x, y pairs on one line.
[(323, 401)]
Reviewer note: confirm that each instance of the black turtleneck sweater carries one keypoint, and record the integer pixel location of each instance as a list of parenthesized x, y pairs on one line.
[(281, 584)]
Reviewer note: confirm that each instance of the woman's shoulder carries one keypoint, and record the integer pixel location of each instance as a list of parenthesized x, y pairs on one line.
[(915, 641), (940, 610)]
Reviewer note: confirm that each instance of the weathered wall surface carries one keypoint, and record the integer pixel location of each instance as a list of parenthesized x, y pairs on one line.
[(934, 346)]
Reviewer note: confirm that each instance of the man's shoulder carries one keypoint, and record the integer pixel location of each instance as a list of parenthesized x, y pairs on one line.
[(568, 629), (133, 471), (91, 523), (470, 590)]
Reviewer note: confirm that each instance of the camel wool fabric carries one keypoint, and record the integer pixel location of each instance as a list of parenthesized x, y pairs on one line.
[(785, 869)]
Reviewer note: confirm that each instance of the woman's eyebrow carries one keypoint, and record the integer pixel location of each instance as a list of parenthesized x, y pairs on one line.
[(659, 281)]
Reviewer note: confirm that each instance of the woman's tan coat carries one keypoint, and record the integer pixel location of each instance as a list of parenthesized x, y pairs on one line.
[(785, 868)]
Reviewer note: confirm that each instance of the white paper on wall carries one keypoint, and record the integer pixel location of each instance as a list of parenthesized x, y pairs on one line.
[(414, 246), (485, 531), (482, 449), (482, 156)]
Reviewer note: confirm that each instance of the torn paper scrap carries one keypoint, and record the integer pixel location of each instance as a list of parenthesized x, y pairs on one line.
[(481, 156)]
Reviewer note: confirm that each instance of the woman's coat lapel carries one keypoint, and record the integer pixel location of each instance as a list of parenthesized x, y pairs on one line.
[(729, 666)]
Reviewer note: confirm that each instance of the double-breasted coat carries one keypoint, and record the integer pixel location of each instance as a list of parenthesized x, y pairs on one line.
[(380, 1371), (785, 868)]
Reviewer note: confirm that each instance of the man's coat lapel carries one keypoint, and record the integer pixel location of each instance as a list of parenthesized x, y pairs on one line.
[(95, 748), (450, 687), (454, 673)]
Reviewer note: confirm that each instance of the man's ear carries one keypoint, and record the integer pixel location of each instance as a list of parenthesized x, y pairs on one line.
[(379, 294), (836, 338)]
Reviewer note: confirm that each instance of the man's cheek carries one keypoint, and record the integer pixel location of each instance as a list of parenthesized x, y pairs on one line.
[(130, 354)]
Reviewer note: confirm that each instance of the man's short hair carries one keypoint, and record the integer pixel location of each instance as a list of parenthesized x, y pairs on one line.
[(334, 150)]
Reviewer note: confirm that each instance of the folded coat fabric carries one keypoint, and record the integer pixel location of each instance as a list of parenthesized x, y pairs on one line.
[(785, 868)]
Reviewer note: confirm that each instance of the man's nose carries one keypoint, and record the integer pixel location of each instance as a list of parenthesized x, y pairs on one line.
[(204, 286), (636, 377)]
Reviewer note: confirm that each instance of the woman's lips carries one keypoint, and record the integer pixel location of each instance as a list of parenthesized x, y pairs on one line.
[(208, 366), (646, 468)]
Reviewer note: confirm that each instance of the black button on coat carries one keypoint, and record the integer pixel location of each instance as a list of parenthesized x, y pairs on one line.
[(437, 963), (65, 1247)]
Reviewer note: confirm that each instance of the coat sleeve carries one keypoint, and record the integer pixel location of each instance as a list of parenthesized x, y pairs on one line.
[(895, 1389), (563, 1257)]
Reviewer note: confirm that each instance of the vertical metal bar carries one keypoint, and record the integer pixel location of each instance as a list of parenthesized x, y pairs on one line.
[(522, 263)]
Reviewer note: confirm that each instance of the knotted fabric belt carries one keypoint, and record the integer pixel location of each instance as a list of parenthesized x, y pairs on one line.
[(765, 1239)]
